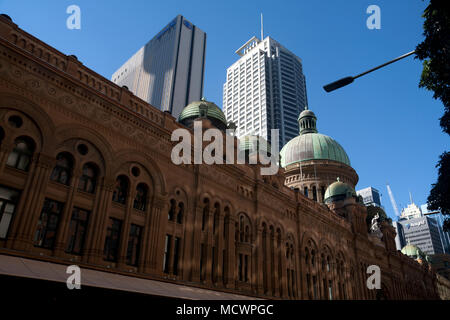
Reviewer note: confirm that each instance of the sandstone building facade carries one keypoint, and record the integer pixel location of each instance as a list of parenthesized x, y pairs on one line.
[(86, 177)]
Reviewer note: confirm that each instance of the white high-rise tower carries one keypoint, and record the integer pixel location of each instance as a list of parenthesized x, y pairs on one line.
[(168, 71), (265, 89)]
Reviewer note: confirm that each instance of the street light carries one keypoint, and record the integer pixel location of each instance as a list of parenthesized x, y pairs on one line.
[(347, 80)]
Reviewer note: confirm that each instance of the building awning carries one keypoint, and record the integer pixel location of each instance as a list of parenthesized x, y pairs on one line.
[(29, 268)]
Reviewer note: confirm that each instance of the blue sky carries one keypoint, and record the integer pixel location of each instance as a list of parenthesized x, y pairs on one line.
[(388, 126)]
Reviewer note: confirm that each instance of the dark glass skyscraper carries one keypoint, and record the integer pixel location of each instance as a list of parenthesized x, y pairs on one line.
[(168, 71)]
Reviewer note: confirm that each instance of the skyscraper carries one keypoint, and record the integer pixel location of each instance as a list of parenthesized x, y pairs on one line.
[(437, 215), (265, 89), (370, 195), (413, 227), (168, 71)]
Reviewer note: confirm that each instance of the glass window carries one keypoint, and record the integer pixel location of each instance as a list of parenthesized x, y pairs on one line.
[(20, 157), (120, 190), (77, 231), (62, 171), (48, 223), (167, 253), (88, 179), (112, 240), (8, 201), (134, 245), (176, 256), (140, 201)]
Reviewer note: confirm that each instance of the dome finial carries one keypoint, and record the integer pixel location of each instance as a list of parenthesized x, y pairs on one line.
[(307, 121)]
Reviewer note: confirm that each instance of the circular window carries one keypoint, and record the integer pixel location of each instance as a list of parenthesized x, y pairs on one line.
[(15, 121), (135, 171), (82, 149)]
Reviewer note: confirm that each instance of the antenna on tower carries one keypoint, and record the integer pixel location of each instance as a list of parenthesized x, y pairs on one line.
[(262, 28), (410, 197), (391, 196)]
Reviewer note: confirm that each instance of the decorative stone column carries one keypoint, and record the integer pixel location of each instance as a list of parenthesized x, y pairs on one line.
[(196, 242), (64, 220), (219, 247), (29, 208), (157, 233), (125, 232), (143, 254), (97, 224), (259, 261), (231, 261)]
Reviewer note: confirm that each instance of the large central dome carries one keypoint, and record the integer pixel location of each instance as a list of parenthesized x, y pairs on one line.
[(310, 144)]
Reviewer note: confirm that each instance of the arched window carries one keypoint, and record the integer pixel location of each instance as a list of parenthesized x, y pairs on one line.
[(2, 134), (216, 216), (62, 172), (20, 156), (205, 214), (121, 190), (244, 229), (172, 208), (180, 213), (88, 179), (314, 193), (140, 200)]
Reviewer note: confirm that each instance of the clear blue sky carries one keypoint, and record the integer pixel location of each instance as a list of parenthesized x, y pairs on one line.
[(388, 126)]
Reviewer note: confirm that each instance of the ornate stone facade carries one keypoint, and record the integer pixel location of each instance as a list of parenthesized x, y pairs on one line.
[(78, 153)]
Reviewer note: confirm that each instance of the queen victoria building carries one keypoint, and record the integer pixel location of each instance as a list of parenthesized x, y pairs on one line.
[(86, 179)]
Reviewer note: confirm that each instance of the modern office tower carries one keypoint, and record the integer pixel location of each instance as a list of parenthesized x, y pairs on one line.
[(168, 71), (413, 227), (437, 215), (265, 89), (371, 196)]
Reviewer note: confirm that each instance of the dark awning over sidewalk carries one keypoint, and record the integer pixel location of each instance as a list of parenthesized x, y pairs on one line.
[(29, 268)]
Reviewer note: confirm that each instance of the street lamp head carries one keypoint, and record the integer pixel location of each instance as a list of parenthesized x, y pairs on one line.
[(338, 84)]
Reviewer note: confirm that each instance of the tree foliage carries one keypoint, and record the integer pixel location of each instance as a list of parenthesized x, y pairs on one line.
[(439, 198), (434, 51)]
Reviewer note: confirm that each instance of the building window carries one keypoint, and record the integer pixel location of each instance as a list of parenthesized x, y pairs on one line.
[(62, 172), (20, 156), (8, 201), (314, 193), (77, 231), (134, 245), (112, 239), (305, 191), (140, 201), (180, 213), (120, 190), (176, 255), (167, 249), (88, 179), (48, 223), (171, 215)]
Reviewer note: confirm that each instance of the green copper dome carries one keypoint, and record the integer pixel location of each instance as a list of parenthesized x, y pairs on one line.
[(310, 144), (338, 191), (413, 252), (203, 108)]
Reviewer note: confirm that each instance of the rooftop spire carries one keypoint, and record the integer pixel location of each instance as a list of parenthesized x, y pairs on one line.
[(307, 121), (262, 28)]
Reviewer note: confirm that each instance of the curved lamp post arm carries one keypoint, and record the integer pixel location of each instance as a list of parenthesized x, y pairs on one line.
[(347, 80)]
